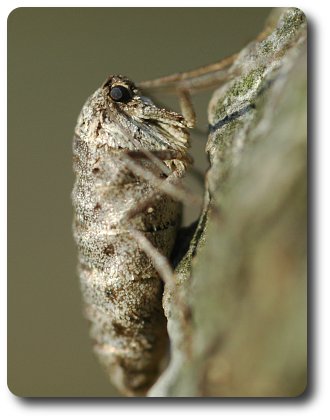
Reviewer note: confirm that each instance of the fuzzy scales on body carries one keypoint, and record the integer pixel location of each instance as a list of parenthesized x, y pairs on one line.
[(121, 288)]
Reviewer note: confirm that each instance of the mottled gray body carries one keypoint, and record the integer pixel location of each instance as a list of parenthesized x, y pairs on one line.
[(121, 288)]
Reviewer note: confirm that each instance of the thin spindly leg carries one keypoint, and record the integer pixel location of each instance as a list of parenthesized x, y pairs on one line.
[(202, 78), (178, 192), (148, 201), (161, 264), (171, 186), (160, 155), (187, 108)]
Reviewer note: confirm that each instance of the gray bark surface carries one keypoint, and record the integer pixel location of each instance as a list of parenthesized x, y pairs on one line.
[(237, 317)]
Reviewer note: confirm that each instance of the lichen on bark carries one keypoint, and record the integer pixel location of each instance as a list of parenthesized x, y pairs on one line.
[(237, 316)]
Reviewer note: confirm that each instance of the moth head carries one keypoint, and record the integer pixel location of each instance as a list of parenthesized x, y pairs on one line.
[(119, 89), (120, 116)]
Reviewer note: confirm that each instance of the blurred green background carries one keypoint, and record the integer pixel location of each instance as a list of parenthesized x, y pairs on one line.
[(56, 58)]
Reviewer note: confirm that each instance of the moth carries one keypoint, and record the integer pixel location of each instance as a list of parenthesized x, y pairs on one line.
[(126, 153), (129, 159)]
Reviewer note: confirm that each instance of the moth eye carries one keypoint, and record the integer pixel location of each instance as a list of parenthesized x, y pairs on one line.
[(120, 94)]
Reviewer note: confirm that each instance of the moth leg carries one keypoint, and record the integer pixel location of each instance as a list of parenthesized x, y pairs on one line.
[(170, 187), (162, 266), (160, 262), (148, 201), (161, 155), (202, 78), (187, 108), (158, 183), (140, 207), (143, 154)]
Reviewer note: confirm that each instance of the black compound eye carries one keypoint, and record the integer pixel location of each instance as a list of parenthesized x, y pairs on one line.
[(120, 93)]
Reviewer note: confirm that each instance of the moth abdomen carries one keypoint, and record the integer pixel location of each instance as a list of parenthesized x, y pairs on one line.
[(129, 330)]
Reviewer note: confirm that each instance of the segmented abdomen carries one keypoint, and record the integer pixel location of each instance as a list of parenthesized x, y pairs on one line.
[(121, 288)]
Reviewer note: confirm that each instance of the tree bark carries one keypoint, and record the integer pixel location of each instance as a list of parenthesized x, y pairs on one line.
[(237, 317)]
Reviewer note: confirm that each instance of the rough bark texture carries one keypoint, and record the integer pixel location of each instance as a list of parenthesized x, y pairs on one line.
[(237, 317)]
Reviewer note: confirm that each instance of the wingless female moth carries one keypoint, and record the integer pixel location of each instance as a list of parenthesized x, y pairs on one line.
[(129, 158), (123, 146)]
